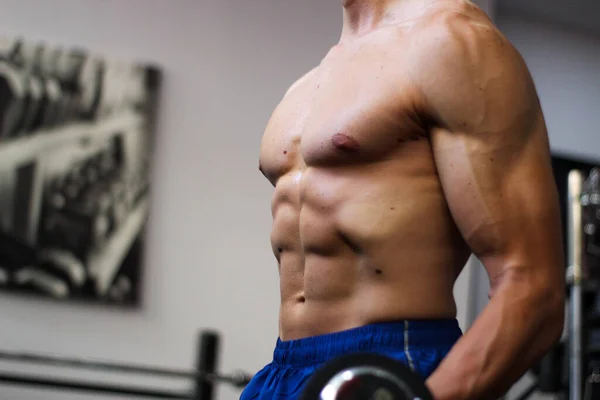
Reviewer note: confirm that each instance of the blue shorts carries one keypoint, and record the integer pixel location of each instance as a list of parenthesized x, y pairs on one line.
[(421, 345)]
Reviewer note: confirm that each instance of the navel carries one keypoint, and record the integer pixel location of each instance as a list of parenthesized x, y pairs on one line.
[(344, 143)]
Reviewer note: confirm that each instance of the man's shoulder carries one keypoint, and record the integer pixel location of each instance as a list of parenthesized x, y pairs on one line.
[(463, 64), (300, 81), (459, 45)]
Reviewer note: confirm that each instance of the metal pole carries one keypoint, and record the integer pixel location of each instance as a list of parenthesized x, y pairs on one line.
[(207, 360), (574, 276), (237, 379), (528, 392), (85, 387), (86, 363)]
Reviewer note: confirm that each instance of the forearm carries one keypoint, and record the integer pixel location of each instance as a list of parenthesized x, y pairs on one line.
[(516, 328)]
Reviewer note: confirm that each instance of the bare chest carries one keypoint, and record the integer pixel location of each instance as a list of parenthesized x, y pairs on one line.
[(342, 113)]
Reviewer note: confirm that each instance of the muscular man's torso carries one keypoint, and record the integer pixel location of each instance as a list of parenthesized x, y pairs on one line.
[(361, 229)]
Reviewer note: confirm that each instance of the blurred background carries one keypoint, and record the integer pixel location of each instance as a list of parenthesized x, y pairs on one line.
[(204, 247)]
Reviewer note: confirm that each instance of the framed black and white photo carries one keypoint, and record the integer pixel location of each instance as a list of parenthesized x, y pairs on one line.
[(76, 140)]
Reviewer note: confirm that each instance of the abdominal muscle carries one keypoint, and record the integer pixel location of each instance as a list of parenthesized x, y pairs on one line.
[(359, 245)]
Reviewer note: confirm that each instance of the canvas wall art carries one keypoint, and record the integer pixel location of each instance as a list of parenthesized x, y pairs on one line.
[(76, 143)]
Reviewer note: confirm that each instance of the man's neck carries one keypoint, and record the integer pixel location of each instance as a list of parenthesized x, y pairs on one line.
[(362, 16)]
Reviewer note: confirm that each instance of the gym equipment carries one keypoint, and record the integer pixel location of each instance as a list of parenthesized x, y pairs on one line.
[(574, 279), (570, 369), (74, 227), (14, 253), (365, 376), (592, 384), (204, 377), (90, 84), (42, 59), (13, 89), (48, 59), (590, 203), (84, 206), (24, 60), (109, 90), (69, 65), (42, 281), (65, 264), (21, 268), (584, 257)]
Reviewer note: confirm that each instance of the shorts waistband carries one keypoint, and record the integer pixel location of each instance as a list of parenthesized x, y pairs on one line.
[(386, 336)]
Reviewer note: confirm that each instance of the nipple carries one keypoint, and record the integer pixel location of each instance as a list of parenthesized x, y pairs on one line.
[(344, 143)]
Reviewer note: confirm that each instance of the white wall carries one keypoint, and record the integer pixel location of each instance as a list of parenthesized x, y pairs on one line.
[(209, 264), (489, 6), (566, 68)]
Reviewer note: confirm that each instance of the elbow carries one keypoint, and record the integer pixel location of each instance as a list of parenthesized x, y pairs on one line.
[(542, 299), (544, 303)]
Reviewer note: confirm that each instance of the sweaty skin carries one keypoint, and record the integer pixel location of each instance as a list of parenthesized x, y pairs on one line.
[(418, 140)]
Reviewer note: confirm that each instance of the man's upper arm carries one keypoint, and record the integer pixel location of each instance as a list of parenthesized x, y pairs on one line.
[(491, 150)]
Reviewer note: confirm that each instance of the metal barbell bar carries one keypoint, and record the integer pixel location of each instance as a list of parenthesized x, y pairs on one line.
[(237, 378)]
